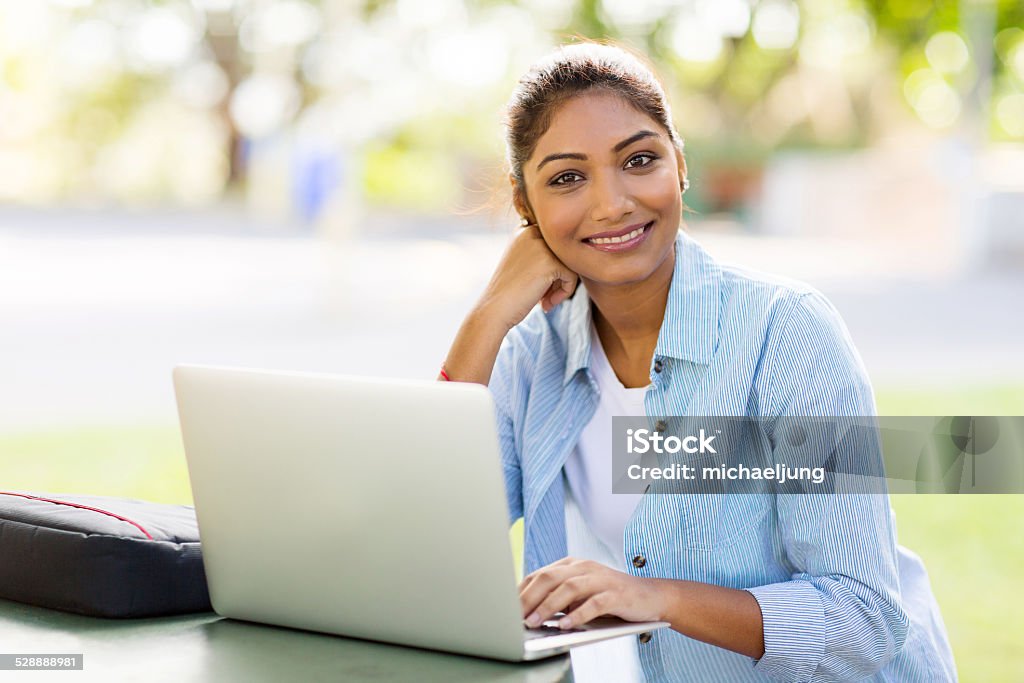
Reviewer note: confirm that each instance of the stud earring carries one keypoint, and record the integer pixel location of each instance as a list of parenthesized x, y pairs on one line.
[(685, 184)]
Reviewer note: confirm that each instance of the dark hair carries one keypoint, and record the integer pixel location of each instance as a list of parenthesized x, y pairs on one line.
[(567, 72)]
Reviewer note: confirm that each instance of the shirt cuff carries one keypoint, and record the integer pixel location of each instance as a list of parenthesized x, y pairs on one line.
[(794, 629)]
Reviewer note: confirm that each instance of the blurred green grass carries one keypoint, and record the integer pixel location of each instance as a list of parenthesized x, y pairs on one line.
[(139, 461), (972, 545)]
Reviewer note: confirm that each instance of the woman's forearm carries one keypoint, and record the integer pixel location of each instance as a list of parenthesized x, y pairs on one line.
[(472, 355), (726, 617)]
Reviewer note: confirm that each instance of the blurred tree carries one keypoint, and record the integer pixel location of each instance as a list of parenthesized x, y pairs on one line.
[(222, 38), (745, 76)]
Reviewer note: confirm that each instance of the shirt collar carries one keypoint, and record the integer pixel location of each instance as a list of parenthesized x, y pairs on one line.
[(690, 328), (578, 356)]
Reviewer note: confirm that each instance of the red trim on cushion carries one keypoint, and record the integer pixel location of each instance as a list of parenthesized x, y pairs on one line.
[(81, 507)]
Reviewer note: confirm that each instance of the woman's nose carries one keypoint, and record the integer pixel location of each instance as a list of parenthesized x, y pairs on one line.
[(611, 200)]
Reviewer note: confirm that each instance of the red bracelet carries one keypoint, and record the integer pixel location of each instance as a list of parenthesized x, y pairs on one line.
[(444, 375)]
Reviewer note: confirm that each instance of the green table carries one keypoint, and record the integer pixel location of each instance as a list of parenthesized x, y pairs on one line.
[(207, 647)]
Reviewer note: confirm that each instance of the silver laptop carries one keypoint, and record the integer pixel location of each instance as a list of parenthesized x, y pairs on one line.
[(360, 507)]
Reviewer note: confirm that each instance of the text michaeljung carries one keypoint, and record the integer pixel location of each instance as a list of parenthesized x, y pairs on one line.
[(780, 473)]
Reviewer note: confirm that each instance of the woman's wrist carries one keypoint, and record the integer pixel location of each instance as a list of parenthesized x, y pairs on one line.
[(725, 617), (667, 598), (490, 316)]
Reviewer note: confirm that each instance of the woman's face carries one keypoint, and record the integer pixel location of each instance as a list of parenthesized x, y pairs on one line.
[(603, 186)]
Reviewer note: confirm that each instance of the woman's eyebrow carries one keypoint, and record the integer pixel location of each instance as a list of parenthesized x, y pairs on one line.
[(583, 157)]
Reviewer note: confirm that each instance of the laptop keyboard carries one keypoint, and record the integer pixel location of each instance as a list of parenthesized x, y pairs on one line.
[(548, 628)]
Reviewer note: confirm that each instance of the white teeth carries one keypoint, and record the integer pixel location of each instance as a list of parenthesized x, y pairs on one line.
[(616, 240)]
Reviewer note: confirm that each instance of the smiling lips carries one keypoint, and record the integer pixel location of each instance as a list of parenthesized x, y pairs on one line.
[(620, 242)]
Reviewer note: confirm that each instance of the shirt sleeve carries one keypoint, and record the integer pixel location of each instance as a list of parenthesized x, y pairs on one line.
[(501, 385), (840, 616)]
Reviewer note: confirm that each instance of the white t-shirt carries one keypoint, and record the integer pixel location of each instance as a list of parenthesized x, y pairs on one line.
[(595, 518), (588, 468)]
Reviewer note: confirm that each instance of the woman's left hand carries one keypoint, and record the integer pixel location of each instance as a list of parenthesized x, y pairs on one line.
[(585, 590)]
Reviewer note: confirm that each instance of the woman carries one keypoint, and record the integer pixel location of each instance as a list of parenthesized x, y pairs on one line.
[(636, 318)]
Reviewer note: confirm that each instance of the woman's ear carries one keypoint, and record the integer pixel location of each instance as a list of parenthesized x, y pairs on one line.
[(681, 162), (522, 207)]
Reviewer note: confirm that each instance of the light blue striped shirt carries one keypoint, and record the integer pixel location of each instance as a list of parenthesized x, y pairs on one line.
[(840, 600)]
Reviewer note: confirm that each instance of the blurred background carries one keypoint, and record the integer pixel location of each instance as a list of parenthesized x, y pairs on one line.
[(319, 186)]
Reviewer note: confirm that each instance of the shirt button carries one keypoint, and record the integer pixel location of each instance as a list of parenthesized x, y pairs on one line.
[(639, 561), (658, 365), (645, 637), (660, 426)]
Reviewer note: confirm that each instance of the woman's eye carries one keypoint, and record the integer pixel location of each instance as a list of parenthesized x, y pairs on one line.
[(649, 157), (571, 177), (565, 179)]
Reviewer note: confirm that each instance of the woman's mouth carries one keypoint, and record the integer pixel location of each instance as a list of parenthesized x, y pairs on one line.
[(622, 242)]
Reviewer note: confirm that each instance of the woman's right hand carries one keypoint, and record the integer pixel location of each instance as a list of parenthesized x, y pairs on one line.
[(529, 272)]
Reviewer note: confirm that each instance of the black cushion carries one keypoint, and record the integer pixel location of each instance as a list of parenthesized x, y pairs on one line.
[(98, 556)]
